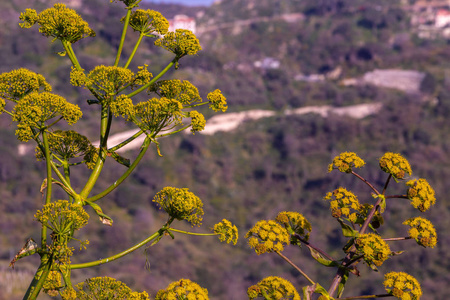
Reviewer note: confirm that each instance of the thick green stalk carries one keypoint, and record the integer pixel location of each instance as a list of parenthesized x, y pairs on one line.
[(119, 255), (122, 38), (164, 71), (144, 148), (71, 54), (48, 195), (134, 50), (104, 130), (38, 280)]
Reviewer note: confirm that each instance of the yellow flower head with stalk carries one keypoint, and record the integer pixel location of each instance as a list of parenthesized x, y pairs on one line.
[(181, 290), (373, 247), (267, 236), (402, 286), (295, 223), (58, 22), (52, 284), (16, 84), (66, 145), (226, 231), (421, 194), (182, 42), (217, 101), (36, 108), (155, 114), (345, 162), (423, 231), (395, 164), (180, 204), (198, 121), (182, 91), (149, 22), (273, 287), (106, 288), (344, 204)]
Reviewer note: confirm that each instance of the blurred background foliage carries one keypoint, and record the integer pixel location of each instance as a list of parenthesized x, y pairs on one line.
[(263, 167)]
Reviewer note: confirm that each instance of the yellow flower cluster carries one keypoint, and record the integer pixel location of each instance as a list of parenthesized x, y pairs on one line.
[(148, 22), (226, 231), (122, 106), (402, 286), (158, 114), (181, 290), (295, 223), (62, 217), (36, 108), (106, 288), (109, 80), (217, 101), (52, 283), (273, 287), (180, 204), (17, 83), (66, 144), (58, 22), (344, 203), (395, 164), (183, 91), (421, 194), (423, 231), (345, 161), (198, 121), (373, 247), (143, 76), (267, 236), (181, 42)]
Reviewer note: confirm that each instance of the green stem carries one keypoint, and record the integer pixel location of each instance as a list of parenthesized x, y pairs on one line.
[(173, 132), (71, 54), (164, 71), (104, 130), (67, 174), (119, 255), (134, 50), (122, 38), (295, 267), (144, 148), (191, 233), (38, 280), (48, 196), (127, 141), (61, 177)]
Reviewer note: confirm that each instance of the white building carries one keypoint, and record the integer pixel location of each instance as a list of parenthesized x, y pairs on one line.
[(182, 22)]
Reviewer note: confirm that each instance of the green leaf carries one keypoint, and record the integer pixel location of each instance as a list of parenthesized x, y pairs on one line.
[(322, 260), (98, 210), (121, 160), (315, 288), (347, 230)]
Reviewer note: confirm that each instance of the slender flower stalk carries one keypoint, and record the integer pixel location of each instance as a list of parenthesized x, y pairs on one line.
[(295, 267)]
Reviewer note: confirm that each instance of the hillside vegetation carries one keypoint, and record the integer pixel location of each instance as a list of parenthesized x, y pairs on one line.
[(264, 166)]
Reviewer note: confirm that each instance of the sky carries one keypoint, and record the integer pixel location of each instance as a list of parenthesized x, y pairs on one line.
[(184, 2)]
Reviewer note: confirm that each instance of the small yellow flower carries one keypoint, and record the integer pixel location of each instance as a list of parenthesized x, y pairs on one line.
[(226, 231), (52, 284), (267, 231), (180, 204), (423, 231), (183, 289), (148, 22), (345, 162), (109, 80), (395, 164), (198, 121), (181, 42), (66, 145), (294, 223), (156, 114), (344, 203), (373, 247), (182, 91), (217, 101), (421, 194), (402, 286), (122, 106), (16, 84), (273, 287), (58, 22)]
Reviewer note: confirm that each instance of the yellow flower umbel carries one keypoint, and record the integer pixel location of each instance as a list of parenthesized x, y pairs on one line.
[(36, 108), (267, 236), (180, 204), (16, 84), (226, 231), (421, 194), (395, 164), (373, 247), (109, 80), (181, 290), (182, 42), (344, 204), (273, 287), (422, 230), (345, 162), (107, 288), (156, 115), (217, 101), (198, 121), (122, 106), (182, 91), (52, 283), (148, 22), (402, 286), (295, 223), (58, 22)]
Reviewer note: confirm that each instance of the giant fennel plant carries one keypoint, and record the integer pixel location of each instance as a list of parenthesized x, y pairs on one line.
[(28, 99)]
